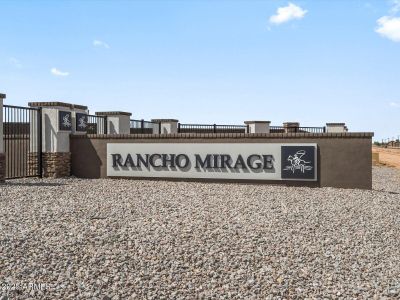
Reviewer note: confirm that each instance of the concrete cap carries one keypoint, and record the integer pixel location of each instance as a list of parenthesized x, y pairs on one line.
[(56, 103), (164, 120), (291, 124), (335, 124), (2, 96), (257, 122), (113, 113)]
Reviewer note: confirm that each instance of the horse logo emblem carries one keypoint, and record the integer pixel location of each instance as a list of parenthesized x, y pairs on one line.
[(297, 163), (66, 121), (82, 122)]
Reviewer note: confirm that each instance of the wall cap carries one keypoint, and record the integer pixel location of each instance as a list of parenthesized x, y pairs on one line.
[(113, 113), (164, 120), (257, 122), (2, 96), (291, 124), (56, 103), (184, 136), (335, 124)]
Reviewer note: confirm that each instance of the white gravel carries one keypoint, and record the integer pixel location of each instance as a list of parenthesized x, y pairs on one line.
[(127, 239)]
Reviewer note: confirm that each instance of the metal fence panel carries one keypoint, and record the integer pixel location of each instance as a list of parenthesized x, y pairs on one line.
[(22, 141), (144, 127), (96, 124), (210, 128)]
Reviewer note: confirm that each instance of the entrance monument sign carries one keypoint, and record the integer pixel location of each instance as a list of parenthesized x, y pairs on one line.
[(247, 161)]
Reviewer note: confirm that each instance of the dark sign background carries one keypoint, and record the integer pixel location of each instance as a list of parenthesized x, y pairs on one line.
[(298, 162), (64, 120), (81, 125)]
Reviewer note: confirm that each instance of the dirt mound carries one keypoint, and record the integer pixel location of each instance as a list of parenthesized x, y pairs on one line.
[(388, 156)]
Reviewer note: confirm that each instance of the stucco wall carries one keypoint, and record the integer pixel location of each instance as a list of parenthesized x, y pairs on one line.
[(344, 159)]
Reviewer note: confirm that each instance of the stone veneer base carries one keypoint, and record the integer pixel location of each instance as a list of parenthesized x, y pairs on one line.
[(33, 163), (2, 167), (56, 164)]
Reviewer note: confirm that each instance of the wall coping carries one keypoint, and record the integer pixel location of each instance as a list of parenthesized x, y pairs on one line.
[(164, 120), (291, 124), (113, 113), (335, 124), (257, 122), (56, 103), (226, 135), (2, 96)]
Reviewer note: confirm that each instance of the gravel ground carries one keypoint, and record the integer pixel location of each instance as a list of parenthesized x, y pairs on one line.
[(125, 239)]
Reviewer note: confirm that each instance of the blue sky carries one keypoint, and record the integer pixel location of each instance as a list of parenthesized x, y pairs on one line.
[(209, 61)]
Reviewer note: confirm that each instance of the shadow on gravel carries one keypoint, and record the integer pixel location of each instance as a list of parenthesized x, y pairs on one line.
[(389, 192), (32, 184)]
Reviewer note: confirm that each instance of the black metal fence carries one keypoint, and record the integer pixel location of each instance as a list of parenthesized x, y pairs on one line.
[(142, 126), (22, 141), (96, 124), (282, 129), (311, 129), (276, 129), (211, 128)]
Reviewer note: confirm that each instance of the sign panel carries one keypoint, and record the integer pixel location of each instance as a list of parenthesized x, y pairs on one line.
[(64, 120), (296, 162), (237, 161), (81, 122)]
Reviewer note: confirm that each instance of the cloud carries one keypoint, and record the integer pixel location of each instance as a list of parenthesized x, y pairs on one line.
[(394, 104), (395, 6), (57, 72), (389, 27), (15, 62), (98, 43), (287, 13)]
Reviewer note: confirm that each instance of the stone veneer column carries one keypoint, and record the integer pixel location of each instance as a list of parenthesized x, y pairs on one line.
[(257, 126), (167, 126), (56, 156), (2, 155), (118, 122), (291, 127)]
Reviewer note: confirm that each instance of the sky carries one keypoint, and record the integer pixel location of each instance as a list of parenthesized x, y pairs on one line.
[(224, 62)]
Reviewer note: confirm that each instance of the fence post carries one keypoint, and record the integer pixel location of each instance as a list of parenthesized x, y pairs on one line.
[(39, 141), (79, 119), (142, 125), (57, 120), (116, 122), (2, 155), (335, 127), (167, 125), (105, 129), (258, 126), (179, 127), (291, 127), (215, 128)]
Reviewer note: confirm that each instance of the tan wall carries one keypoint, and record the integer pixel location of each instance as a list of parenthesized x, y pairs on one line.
[(344, 159)]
